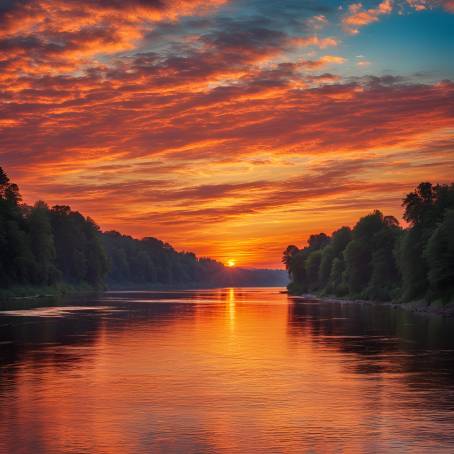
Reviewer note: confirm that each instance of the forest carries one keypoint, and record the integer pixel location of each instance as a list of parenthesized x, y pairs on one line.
[(378, 259), (44, 246)]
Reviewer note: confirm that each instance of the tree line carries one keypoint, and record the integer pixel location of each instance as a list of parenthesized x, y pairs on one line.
[(151, 261), (377, 259), (42, 246)]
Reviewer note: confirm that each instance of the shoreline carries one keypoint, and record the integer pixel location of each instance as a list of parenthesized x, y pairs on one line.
[(33, 293), (412, 306)]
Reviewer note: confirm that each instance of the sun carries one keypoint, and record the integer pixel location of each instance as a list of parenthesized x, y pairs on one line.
[(231, 263)]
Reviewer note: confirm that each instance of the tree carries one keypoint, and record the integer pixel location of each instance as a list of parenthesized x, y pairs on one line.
[(96, 259), (288, 258), (357, 259), (312, 266), (379, 260), (42, 244), (317, 242), (385, 278), (439, 253), (337, 283), (16, 261), (326, 262), (338, 242), (425, 206), (418, 204), (412, 265), (80, 255), (358, 253)]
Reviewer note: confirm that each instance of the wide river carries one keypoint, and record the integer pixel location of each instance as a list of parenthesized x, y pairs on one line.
[(224, 370)]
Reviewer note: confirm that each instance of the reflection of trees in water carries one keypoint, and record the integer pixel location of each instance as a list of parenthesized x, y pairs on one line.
[(384, 340)]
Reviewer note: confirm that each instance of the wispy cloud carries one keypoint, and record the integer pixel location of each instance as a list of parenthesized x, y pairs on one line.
[(358, 16)]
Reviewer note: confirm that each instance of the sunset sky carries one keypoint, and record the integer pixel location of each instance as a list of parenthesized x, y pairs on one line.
[(229, 128)]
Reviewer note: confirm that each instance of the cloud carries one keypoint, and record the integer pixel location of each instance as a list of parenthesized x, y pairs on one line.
[(421, 5), (448, 5), (50, 36), (183, 134), (322, 43), (358, 17), (322, 61)]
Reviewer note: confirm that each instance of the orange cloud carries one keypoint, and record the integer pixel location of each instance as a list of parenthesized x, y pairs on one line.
[(322, 61), (322, 43), (51, 36), (358, 17), (184, 163), (421, 5)]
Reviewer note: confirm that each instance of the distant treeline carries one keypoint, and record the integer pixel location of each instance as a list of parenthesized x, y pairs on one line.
[(42, 246), (148, 261), (379, 260)]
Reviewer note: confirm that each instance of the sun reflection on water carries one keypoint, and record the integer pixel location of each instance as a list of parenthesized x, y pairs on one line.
[(231, 305)]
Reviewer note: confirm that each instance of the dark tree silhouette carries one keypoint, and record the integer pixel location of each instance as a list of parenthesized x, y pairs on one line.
[(379, 260)]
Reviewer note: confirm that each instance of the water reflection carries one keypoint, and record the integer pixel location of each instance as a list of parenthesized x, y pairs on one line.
[(224, 370), (231, 308)]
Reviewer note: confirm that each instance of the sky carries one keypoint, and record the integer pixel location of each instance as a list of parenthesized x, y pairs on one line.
[(230, 128)]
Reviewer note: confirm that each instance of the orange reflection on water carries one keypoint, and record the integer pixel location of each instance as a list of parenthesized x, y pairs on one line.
[(231, 307), (227, 370)]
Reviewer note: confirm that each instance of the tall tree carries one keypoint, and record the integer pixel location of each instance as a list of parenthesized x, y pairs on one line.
[(42, 244), (439, 253)]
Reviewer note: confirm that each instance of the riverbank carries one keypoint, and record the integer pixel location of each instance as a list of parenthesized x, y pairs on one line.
[(19, 293), (446, 310), (38, 294)]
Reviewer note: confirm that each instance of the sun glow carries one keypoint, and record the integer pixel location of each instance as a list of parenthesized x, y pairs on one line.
[(231, 263)]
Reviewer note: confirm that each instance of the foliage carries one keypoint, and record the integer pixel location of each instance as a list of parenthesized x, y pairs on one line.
[(439, 253), (41, 246), (152, 261), (378, 259)]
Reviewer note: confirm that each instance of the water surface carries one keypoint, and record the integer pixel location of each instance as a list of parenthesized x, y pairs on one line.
[(224, 370)]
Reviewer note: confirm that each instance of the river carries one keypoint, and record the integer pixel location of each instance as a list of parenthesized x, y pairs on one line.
[(224, 370)]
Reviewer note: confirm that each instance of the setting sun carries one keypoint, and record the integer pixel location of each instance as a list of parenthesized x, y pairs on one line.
[(231, 263)]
